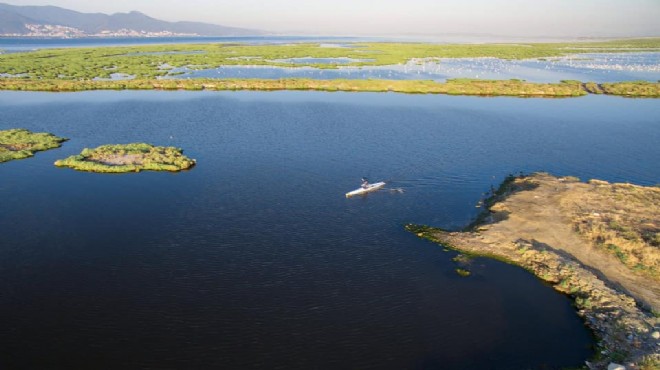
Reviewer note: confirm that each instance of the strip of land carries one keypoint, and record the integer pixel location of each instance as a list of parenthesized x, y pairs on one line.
[(451, 87), (597, 242)]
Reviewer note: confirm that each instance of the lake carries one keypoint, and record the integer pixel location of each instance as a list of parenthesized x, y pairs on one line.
[(255, 259)]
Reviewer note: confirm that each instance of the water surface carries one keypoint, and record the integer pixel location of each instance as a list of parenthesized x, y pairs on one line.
[(594, 67), (254, 259)]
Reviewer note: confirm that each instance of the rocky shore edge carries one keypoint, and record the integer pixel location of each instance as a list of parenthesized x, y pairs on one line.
[(627, 333)]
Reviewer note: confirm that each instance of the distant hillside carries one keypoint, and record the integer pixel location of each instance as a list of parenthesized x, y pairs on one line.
[(53, 21)]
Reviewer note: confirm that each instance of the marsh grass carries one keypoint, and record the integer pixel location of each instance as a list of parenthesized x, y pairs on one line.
[(451, 87), (21, 143), (133, 157), (75, 69), (622, 220), (632, 89), (148, 61)]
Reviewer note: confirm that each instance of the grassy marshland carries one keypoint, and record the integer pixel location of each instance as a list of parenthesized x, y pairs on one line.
[(21, 143), (75, 69), (134, 157), (451, 87), (151, 61)]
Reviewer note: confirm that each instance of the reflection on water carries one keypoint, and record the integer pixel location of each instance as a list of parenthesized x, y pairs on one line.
[(255, 259)]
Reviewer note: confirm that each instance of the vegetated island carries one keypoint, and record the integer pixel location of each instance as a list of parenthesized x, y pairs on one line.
[(21, 143), (123, 158), (597, 242)]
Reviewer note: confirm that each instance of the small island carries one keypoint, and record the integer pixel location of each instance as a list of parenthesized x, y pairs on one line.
[(20, 143), (597, 242), (123, 158)]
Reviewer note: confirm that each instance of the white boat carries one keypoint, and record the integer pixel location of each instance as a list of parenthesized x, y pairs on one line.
[(371, 187)]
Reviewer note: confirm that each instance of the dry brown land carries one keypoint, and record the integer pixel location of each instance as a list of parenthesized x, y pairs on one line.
[(563, 230)]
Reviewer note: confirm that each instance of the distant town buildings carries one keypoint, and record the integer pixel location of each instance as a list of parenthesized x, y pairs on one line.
[(57, 31)]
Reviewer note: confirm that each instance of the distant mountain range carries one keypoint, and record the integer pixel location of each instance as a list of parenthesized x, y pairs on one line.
[(52, 21)]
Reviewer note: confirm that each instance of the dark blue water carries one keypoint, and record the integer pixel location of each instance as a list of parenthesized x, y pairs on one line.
[(255, 259)]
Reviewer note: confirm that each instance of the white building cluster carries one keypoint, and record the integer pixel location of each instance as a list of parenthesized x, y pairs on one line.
[(58, 31)]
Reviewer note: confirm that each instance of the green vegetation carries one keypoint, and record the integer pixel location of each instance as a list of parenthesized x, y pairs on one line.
[(21, 143), (451, 87), (463, 272), (128, 158), (77, 69), (151, 61), (622, 220), (633, 89)]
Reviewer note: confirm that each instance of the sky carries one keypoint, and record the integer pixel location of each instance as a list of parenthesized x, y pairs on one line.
[(534, 18)]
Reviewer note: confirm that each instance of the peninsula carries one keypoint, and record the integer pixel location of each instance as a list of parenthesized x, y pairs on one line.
[(597, 242)]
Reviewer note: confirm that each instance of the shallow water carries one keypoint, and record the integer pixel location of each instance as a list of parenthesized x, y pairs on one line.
[(256, 259), (612, 67), (310, 60)]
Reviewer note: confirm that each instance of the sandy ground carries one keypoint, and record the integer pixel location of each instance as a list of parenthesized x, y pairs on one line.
[(538, 216), (532, 223), (119, 160)]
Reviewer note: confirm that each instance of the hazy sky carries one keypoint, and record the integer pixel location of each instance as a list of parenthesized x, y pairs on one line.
[(373, 17)]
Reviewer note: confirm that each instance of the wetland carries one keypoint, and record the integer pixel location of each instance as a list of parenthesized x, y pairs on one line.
[(369, 65), (256, 259)]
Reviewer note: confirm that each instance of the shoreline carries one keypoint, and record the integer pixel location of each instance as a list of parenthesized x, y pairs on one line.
[(465, 87), (525, 224)]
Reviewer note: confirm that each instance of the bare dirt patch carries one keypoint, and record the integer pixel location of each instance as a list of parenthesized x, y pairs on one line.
[(119, 160)]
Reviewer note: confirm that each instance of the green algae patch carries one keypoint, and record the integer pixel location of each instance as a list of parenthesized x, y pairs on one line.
[(463, 272), (21, 143), (123, 158)]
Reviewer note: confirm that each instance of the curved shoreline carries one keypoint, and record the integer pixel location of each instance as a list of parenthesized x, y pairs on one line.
[(523, 225)]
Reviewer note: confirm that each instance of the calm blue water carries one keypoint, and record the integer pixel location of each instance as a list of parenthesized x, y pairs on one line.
[(18, 44), (255, 259)]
